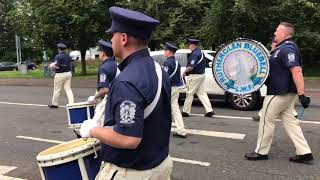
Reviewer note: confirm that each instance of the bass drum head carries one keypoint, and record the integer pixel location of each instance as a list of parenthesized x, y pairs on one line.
[(241, 66), (68, 149)]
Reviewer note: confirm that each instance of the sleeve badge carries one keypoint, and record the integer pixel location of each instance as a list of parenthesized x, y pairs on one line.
[(127, 112), (291, 57), (166, 68), (102, 78)]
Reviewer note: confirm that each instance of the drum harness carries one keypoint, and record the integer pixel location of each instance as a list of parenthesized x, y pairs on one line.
[(147, 111)]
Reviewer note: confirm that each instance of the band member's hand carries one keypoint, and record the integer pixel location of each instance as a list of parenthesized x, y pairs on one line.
[(91, 100), (52, 65), (184, 74), (304, 100), (86, 127)]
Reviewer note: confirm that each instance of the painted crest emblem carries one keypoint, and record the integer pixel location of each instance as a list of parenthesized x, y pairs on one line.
[(127, 112), (241, 66)]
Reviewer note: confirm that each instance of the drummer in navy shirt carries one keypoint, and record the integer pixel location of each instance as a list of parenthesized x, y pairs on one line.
[(172, 67), (63, 75), (107, 69), (135, 139), (107, 72)]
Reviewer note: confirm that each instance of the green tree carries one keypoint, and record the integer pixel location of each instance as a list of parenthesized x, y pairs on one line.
[(7, 39), (257, 19), (79, 24), (179, 19), (305, 15)]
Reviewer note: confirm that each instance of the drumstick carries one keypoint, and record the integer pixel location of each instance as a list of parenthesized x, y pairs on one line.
[(300, 114), (78, 135)]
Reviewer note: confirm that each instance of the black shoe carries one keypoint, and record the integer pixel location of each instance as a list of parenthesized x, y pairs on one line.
[(255, 156), (256, 118), (306, 158), (184, 114), (209, 114), (179, 135), (52, 106)]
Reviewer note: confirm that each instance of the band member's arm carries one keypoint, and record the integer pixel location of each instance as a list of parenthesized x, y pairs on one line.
[(127, 123), (101, 93), (103, 84), (298, 79), (188, 69), (57, 61), (291, 59), (114, 139), (193, 59), (166, 67)]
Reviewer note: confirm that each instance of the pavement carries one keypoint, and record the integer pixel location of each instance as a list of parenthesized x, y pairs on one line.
[(312, 87), (214, 148)]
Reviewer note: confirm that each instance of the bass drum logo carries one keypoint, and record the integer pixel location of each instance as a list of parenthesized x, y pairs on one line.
[(241, 66)]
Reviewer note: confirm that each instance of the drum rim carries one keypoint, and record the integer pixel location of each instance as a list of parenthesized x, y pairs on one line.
[(79, 104), (258, 43), (65, 154), (66, 159)]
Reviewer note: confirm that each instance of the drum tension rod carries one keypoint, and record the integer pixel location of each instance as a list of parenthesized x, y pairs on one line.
[(94, 150)]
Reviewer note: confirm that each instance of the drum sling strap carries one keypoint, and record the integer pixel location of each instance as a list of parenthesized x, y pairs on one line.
[(175, 69), (148, 110), (201, 59)]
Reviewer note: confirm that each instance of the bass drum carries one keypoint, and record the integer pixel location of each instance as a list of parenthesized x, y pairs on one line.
[(241, 66)]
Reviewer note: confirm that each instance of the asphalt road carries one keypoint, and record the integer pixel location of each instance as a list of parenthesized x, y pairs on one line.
[(220, 157)]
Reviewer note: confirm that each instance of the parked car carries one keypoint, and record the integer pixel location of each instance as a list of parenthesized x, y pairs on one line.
[(214, 91), (31, 65), (8, 66)]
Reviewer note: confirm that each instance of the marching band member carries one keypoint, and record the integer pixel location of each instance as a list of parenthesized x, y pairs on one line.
[(195, 81), (284, 83), (136, 132), (273, 47), (107, 72), (172, 67), (62, 67)]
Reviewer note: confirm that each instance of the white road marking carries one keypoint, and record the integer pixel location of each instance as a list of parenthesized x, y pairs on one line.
[(6, 169), (227, 117), (250, 118), (40, 139), (188, 161), (218, 116), (26, 104), (213, 133)]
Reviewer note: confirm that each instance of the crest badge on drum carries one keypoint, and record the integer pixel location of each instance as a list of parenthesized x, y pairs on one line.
[(241, 66)]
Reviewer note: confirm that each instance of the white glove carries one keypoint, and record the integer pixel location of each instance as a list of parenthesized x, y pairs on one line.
[(52, 65), (91, 100), (86, 127)]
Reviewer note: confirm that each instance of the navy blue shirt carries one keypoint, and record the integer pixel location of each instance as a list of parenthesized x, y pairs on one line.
[(284, 57), (131, 92), (169, 66), (63, 61), (107, 72), (193, 61)]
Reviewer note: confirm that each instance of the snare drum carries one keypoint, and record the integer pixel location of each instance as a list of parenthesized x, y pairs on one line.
[(79, 112), (76, 159)]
